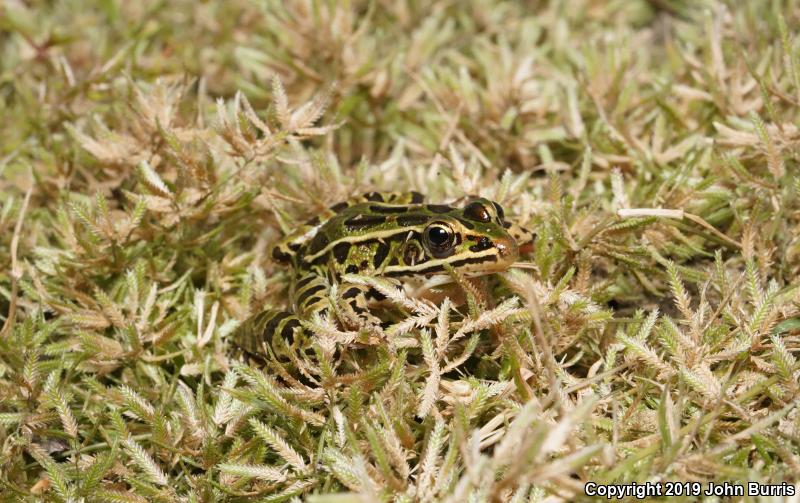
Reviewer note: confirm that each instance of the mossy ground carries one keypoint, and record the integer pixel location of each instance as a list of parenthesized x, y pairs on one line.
[(152, 152)]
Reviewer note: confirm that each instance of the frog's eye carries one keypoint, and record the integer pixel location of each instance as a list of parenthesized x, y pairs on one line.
[(477, 211), (500, 213), (439, 238)]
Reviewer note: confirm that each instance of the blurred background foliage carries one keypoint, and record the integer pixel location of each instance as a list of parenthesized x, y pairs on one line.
[(151, 152)]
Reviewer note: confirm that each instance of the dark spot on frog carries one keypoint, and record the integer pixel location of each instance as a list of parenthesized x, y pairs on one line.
[(361, 221), (280, 256), (304, 281), (320, 241), (381, 253), (288, 330), (339, 207), (351, 292), (374, 294), (340, 252), (439, 208), (273, 323), (484, 243), (308, 293), (384, 210)]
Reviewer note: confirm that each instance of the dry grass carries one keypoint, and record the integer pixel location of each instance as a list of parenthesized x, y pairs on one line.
[(152, 152)]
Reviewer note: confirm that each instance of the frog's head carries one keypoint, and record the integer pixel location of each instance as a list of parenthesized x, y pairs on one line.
[(415, 239), (471, 239)]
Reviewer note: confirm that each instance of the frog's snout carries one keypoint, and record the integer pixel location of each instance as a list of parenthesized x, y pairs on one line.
[(507, 249)]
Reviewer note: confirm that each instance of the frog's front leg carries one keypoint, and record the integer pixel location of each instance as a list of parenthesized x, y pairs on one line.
[(355, 299), (312, 295)]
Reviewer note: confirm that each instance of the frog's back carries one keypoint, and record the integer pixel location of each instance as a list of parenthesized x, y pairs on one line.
[(295, 245)]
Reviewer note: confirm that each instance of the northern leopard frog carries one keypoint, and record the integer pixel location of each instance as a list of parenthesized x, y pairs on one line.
[(391, 235)]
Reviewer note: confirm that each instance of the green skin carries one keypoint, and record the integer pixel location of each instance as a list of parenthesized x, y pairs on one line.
[(390, 235)]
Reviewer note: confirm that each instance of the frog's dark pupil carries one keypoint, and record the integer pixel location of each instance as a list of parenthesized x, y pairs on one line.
[(476, 211), (438, 236)]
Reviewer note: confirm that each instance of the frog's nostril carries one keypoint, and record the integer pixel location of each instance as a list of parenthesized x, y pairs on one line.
[(506, 248)]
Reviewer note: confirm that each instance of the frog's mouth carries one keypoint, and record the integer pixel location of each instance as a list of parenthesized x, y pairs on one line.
[(497, 259)]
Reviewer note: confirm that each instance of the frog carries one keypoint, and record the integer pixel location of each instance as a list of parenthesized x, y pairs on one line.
[(389, 235)]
